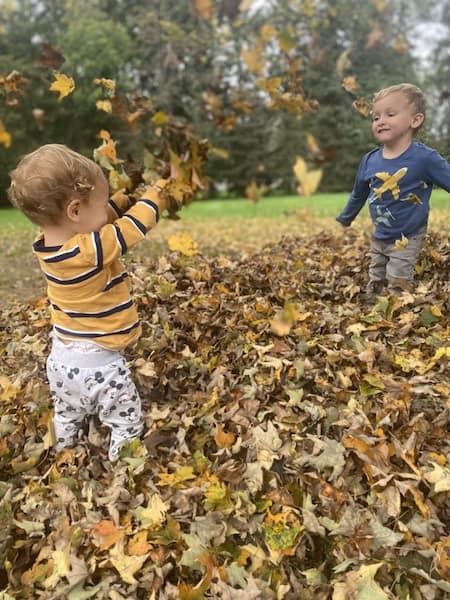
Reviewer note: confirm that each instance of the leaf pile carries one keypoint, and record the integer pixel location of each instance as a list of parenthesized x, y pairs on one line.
[(297, 442)]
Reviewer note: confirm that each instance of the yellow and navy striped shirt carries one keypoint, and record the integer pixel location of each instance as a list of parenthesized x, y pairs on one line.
[(87, 283)]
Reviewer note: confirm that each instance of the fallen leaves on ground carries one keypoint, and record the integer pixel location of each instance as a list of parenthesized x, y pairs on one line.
[(297, 442)]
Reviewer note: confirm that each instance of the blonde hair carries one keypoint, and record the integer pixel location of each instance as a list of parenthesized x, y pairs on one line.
[(414, 95), (45, 180)]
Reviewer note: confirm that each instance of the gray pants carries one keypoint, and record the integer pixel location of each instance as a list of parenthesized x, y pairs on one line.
[(394, 267), (86, 379)]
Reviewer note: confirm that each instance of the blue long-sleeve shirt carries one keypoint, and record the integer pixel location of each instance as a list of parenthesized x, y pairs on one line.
[(397, 189)]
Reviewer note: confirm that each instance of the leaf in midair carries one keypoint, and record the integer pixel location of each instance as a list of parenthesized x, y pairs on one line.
[(254, 58), (308, 179), (63, 85)]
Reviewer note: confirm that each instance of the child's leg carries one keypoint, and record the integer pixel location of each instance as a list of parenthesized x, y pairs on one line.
[(377, 267), (64, 385), (400, 268), (119, 406)]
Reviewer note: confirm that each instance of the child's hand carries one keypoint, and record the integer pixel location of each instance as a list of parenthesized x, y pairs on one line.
[(120, 197), (344, 223)]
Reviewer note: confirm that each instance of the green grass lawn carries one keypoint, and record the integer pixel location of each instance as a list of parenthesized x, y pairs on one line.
[(320, 205)]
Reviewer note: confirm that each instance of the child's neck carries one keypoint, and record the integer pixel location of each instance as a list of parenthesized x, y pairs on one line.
[(394, 150), (56, 236)]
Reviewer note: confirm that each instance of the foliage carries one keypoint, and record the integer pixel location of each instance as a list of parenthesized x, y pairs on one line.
[(296, 444), (255, 80)]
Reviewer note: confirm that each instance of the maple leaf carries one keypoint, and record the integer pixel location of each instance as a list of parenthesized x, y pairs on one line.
[(308, 179), (183, 243), (254, 58), (350, 83), (104, 105), (105, 534), (108, 84), (205, 9), (63, 85), (13, 82), (50, 57), (154, 515), (361, 105), (402, 243), (5, 137), (125, 564)]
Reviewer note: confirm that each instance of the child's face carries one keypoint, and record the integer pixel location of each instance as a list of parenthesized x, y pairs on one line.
[(394, 119), (93, 214)]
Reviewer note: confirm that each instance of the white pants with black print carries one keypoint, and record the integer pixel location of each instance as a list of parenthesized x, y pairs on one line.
[(86, 379)]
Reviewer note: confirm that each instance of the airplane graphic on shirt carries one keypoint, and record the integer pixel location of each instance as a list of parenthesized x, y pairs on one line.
[(390, 183)]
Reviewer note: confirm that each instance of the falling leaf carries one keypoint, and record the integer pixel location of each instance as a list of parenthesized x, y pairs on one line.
[(13, 82), (205, 9), (5, 137), (63, 85), (104, 105), (375, 36), (350, 83), (183, 243), (361, 105), (254, 59), (312, 143), (402, 243), (108, 84), (308, 179), (50, 57), (267, 32), (343, 62)]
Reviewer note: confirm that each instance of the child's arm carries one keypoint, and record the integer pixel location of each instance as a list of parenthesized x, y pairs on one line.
[(357, 198), (438, 170), (118, 204), (115, 239)]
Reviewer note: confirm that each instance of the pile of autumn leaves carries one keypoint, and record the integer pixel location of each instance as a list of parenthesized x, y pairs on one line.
[(297, 442)]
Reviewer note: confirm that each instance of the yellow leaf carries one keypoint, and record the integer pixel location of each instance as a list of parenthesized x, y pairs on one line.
[(267, 32), (108, 84), (5, 137), (61, 566), (286, 41), (183, 242), (118, 180), (12, 82), (254, 59), (308, 180), (360, 104), (138, 544), (343, 62), (63, 85), (402, 243), (104, 105), (126, 565), (177, 478), (154, 514), (205, 9), (350, 83), (160, 118), (312, 143)]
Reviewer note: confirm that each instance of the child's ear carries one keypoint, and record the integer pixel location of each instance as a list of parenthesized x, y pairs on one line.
[(73, 210), (418, 120)]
